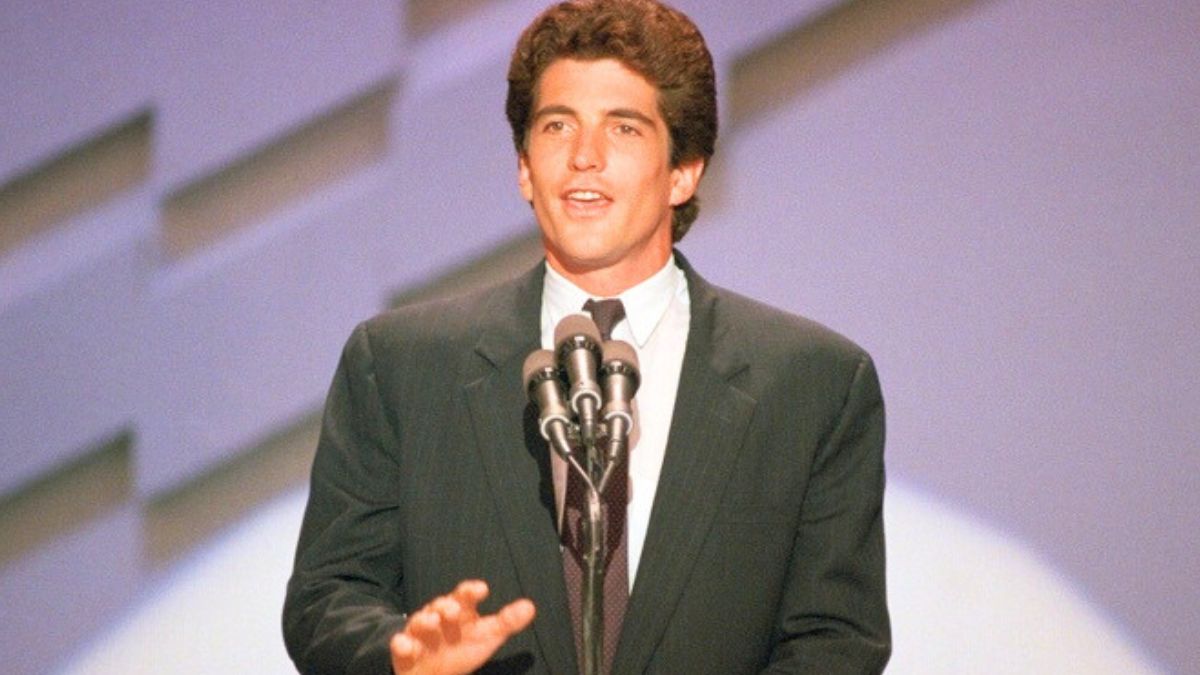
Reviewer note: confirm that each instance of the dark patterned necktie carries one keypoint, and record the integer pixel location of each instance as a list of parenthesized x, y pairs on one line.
[(606, 314)]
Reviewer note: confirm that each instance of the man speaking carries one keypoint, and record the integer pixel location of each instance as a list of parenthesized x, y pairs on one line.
[(751, 536)]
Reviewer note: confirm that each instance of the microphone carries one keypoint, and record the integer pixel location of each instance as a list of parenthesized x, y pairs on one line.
[(578, 347), (619, 380), (540, 374)]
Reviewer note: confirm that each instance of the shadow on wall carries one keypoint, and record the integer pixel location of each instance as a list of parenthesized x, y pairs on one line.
[(969, 601), (826, 47)]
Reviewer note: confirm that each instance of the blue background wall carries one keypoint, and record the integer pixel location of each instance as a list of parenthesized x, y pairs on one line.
[(998, 199)]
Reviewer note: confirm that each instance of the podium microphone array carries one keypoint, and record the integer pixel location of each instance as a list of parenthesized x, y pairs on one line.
[(584, 390), (584, 393)]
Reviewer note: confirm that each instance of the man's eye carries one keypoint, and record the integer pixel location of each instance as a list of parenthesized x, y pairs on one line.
[(627, 130), (554, 126)]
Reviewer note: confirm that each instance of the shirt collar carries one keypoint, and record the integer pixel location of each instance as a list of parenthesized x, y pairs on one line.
[(645, 303)]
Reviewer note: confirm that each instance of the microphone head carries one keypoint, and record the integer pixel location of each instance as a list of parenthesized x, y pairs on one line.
[(577, 343), (619, 372), (542, 384), (619, 351), (574, 326), (539, 366)]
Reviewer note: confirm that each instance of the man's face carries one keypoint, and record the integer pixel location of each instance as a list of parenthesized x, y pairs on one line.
[(596, 170)]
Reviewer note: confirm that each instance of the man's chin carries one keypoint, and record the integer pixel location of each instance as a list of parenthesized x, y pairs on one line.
[(582, 263)]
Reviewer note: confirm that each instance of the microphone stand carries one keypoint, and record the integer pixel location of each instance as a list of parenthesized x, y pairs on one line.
[(595, 548), (575, 439), (595, 470)]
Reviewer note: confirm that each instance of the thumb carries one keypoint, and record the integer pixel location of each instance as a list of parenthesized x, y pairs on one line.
[(511, 619)]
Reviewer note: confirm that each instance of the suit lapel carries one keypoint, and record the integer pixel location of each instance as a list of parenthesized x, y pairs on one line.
[(707, 426), (516, 462)]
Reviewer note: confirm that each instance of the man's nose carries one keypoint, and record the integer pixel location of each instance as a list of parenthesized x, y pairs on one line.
[(588, 153)]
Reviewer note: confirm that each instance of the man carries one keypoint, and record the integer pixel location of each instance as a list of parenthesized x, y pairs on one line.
[(754, 534)]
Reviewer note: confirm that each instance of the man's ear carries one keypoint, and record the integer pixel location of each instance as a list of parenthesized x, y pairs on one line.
[(523, 177), (685, 178)]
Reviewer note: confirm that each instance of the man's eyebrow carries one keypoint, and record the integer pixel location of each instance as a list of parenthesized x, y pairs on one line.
[(619, 113), (553, 110), (631, 114)]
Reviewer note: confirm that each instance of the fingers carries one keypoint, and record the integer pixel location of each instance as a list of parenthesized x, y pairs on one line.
[(512, 618), (448, 635), (406, 652), (517, 615), (425, 627), (451, 615), (470, 593)]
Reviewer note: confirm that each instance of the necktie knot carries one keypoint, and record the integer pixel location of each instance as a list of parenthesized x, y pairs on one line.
[(606, 313)]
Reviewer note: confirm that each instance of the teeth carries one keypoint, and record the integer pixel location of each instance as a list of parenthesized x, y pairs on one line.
[(585, 195)]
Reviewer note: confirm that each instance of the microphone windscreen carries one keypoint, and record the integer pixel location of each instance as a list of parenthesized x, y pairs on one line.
[(536, 363), (619, 350), (576, 324)]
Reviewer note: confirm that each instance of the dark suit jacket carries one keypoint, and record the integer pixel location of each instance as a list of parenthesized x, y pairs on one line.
[(765, 544)]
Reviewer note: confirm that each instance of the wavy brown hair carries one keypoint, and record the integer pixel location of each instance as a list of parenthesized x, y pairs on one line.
[(659, 43)]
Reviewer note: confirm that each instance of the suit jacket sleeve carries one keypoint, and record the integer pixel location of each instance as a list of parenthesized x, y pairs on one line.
[(833, 617), (342, 605)]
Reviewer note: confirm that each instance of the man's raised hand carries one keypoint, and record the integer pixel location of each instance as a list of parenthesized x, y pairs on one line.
[(448, 636)]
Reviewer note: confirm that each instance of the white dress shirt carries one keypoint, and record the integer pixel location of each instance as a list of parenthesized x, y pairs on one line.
[(657, 315)]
